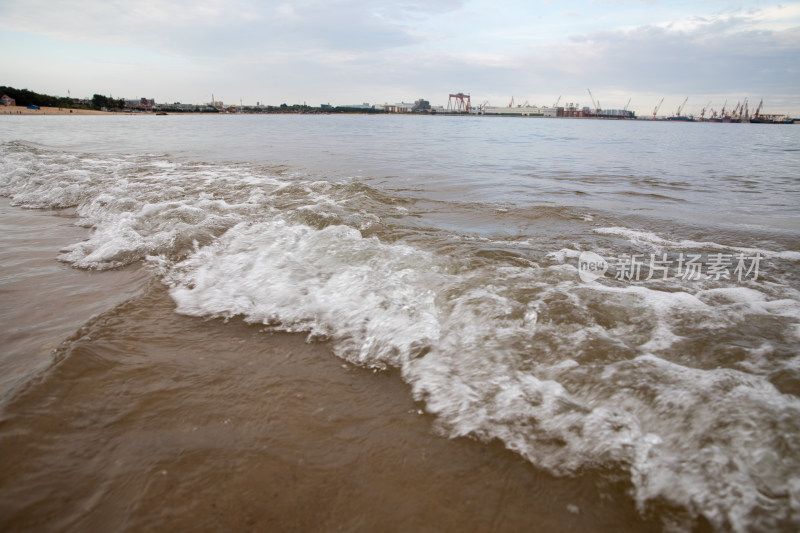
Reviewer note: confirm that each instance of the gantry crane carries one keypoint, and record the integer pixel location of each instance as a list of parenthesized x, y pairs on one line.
[(458, 103)]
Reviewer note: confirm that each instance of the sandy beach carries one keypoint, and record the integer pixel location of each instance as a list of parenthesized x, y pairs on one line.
[(20, 110)]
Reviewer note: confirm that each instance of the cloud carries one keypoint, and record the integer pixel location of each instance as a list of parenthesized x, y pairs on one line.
[(713, 56), (220, 29), (698, 55)]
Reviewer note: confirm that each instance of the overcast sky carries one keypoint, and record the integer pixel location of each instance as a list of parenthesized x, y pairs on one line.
[(355, 51)]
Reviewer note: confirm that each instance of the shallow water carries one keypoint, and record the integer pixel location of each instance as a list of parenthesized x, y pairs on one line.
[(309, 302)]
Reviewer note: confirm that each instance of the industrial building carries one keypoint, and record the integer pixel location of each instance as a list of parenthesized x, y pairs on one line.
[(520, 111)]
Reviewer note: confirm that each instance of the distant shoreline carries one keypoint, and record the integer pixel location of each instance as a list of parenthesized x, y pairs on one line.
[(20, 110)]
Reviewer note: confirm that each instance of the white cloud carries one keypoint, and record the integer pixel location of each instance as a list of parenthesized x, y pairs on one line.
[(222, 28)]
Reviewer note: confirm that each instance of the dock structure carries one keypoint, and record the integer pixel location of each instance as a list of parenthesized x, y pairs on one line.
[(458, 103)]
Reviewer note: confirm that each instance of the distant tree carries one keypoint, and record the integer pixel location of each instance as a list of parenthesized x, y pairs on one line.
[(100, 101)]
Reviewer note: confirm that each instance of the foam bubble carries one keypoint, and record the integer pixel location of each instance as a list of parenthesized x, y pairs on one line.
[(560, 256), (650, 238)]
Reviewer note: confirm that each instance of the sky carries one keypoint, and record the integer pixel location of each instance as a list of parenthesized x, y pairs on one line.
[(343, 52)]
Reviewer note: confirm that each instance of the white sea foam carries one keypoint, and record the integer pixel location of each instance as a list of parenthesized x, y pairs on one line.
[(652, 239), (374, 300), (560, 256), (140, 206)]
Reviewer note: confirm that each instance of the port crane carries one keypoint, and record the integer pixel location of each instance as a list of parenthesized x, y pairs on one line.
[(703, 111), (557, 101), (758, 109), (594, 103), (626, 105), (655, 111), (680, 107)]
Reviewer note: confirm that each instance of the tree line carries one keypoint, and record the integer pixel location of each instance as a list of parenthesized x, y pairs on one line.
[(25, 97)]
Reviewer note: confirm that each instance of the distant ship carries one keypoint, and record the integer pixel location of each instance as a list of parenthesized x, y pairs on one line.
[(772, 119)]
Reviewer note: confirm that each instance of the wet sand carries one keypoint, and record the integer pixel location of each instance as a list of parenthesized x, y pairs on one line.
[(36, 288), (147, 420)]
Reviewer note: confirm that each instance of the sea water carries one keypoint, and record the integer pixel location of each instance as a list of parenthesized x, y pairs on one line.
[(616, 302)]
